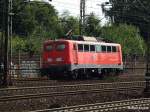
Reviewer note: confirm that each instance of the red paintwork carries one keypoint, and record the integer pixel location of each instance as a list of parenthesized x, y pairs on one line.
[(55, 54), (71, 56)]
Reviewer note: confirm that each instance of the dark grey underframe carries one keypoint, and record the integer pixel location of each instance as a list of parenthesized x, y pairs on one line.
[(79, 66), (72, 67)]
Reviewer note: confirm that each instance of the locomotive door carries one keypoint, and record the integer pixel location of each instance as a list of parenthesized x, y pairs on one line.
[(75, 53)]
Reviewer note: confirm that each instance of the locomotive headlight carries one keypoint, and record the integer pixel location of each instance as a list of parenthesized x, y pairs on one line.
[(59, 59), (49, 59)]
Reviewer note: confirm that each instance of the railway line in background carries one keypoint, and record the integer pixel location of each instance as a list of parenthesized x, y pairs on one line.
[(36, 98), (32, 82), (136, 104), (42, 100), (66, 93), (76, 87)]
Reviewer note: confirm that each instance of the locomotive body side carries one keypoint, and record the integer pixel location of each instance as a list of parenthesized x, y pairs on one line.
[(90, 55)]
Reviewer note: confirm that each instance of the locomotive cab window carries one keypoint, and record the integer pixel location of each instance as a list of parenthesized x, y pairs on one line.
[(114, 49), (74, 47), (86, 48), (60, 47), (92, 48), (108, 48), (103, 48), (80, 47), (48, 47)]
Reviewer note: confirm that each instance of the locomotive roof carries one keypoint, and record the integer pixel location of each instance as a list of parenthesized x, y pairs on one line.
[(81, 42)]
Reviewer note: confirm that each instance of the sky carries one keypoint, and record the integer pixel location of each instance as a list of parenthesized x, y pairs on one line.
[(73, 6)]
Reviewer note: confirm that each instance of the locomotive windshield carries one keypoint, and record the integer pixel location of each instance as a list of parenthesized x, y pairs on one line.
[(48, 47), (60, 47), (55, 46)]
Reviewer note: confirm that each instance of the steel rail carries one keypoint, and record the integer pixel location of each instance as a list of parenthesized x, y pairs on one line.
[(103, 107), (42, 79), (54, 94), (43, 82), (60, 88)]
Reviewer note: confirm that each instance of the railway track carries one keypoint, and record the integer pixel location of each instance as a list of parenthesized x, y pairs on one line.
[(45, 82), (77, 87), (55, 94), (138, 104), (45, 100)]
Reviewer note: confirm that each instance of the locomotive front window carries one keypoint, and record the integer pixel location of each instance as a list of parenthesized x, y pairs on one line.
[(60, 47), (48, 47)]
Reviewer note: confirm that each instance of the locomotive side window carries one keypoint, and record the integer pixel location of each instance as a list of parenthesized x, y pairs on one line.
[(86, 48), (80, 47), (98, 48), (92, 48), (108, 48), (103, 48), (60, 47), (74, 47), (114, 49), (48, 47)]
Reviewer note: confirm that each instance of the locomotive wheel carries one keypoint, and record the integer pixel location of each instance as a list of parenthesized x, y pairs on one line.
[(87, 76), (101, 76)]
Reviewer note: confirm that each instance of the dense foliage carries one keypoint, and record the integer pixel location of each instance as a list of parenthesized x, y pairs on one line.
[(135, 12), (69, 23), (92, 26), (128, 36), (34, 22), (35, 18)]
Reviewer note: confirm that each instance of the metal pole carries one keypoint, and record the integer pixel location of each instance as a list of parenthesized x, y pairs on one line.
[(2, 45), (148, 50), (10, 39), (147, 74), (5, 82), (82, 16)]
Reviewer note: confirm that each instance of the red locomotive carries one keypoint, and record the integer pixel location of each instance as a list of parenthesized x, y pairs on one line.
[(80, 58)]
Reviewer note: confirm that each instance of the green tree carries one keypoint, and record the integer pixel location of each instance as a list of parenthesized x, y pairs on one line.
[(69, 23), (127, 35), (18, 44), (135, 12), (34, 23), (92, 26), (29, 17)]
